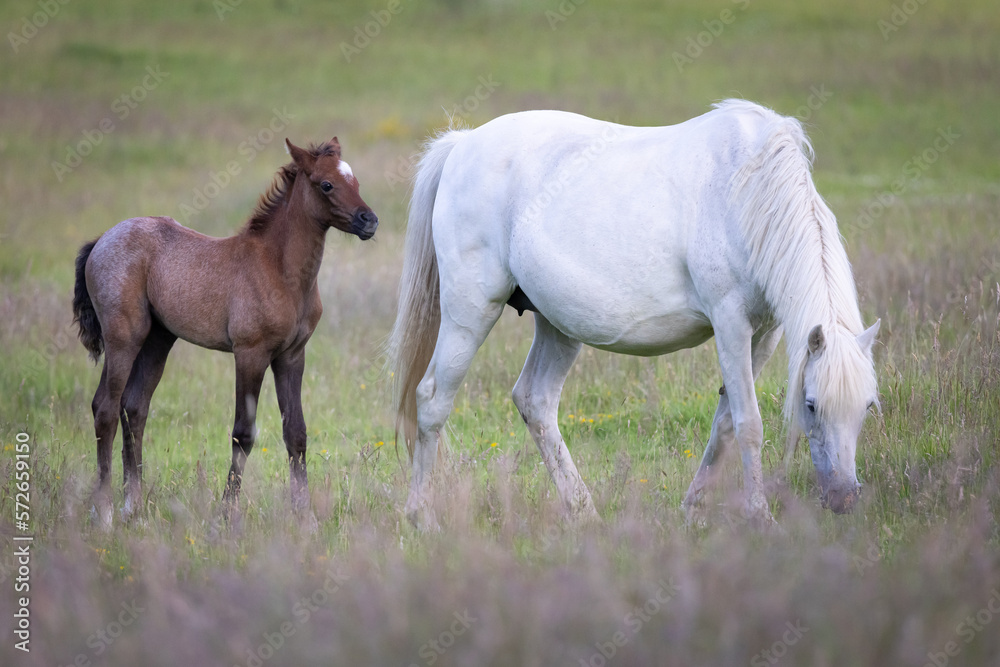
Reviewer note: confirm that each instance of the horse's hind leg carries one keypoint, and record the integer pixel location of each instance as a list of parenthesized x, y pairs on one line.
[(536, 396), (146, 373), (456, 345)]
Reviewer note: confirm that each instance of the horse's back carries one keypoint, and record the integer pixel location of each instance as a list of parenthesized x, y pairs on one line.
[(598, 223)]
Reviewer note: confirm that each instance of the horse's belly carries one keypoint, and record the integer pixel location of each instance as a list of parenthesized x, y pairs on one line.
[(643, 332), (656, 335)]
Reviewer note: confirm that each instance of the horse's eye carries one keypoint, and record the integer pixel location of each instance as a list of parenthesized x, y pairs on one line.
[(326, 186), (811, 406)]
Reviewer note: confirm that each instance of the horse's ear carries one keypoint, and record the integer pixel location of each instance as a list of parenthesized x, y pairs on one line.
[(867, 337), (335, 145), (302, 157), (816, 340)]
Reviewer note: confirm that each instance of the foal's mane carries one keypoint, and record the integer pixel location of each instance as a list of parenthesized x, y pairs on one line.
[(277, 193)]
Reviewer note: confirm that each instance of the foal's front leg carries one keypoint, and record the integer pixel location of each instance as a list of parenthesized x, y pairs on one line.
[(251, 364), (288, 370)]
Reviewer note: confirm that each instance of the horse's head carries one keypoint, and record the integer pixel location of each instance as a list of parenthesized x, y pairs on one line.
[(333, 198), (838, 388)]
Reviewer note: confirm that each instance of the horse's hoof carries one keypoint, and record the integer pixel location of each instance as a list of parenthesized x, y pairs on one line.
[(423, 519), (695, 515), (584, 515)]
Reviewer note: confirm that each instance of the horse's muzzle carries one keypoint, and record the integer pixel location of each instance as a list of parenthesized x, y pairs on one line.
[(364, 223), (842, 499)]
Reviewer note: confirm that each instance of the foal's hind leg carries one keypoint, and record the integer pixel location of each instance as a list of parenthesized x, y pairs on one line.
[(536, 396), (120, 352), (146, 373)]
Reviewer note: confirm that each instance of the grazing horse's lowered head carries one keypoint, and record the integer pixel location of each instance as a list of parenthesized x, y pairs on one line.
[(334, 200), (829, 406)]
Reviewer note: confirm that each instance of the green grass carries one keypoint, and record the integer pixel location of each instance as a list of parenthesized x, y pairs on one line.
[(889, 584)]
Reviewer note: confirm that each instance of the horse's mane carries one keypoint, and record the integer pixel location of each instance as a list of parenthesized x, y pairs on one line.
[(798, 258), (278, 191)]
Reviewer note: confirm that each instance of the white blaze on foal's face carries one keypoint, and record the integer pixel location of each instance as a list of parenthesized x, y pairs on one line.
[(346, 172)]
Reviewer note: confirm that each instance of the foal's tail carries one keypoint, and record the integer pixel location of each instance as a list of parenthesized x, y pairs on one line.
[(411, 343), (83, 308)]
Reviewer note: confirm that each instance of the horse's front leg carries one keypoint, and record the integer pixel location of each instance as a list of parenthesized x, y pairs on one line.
[(762, 347), (288, 370), (734, 335), (251, 364)]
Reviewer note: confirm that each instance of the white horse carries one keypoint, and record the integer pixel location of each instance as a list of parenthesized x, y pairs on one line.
[(639, 240)]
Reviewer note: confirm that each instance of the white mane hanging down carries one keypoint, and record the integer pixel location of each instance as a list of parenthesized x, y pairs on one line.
[(798, 258)]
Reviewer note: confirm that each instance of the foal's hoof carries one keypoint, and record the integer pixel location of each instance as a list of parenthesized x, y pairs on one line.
[(307, 522), (101, 515)]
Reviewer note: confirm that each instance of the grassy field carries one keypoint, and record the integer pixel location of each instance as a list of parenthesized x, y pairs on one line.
[(114, 109)]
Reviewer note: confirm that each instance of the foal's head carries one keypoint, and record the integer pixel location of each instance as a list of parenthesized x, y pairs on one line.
[(332, 197)]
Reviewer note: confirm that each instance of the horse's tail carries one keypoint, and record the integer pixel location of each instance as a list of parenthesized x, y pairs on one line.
[(83, 308), (411, 343)]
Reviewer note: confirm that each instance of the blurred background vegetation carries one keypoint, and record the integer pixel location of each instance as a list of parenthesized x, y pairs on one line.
[(189, 87)]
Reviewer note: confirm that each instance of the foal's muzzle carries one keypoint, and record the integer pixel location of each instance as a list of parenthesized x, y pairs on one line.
[(364, 223)]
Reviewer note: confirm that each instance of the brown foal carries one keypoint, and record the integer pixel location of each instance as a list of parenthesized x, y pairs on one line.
[(148, 281)]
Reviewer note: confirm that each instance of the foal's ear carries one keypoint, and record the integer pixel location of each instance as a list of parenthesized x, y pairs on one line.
[(335, 145), (816, 340), (302, 157)]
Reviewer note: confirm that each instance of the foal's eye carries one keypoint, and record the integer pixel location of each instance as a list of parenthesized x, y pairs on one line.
[(326, 186)]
